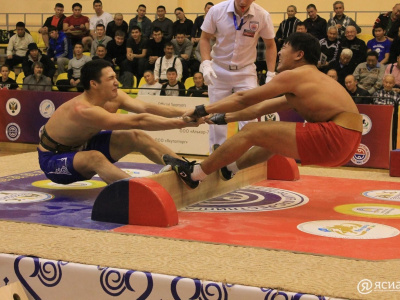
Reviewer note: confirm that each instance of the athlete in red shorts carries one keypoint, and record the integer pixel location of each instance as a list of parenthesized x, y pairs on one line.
[(329, 138)]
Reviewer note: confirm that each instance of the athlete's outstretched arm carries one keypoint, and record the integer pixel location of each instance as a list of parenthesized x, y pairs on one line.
[(138, 106), (97, 117), (259, 109)]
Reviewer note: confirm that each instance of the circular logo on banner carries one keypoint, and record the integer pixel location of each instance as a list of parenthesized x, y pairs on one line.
[(388, 195), (384, 211), (345, 229), (79, 185), (271, 117), (367, 124), (13, 131), (136, 173), (46, 108), (20, 197), (361, 156), (250, 199), (13, 106)]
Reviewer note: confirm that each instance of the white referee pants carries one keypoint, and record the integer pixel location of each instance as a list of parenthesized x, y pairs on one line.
[(229, 81)]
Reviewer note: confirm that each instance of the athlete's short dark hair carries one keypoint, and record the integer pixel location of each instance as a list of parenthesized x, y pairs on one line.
[(92, 71), (305, 42)]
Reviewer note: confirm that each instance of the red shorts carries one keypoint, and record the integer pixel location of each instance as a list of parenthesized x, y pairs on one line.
[(326, 144)]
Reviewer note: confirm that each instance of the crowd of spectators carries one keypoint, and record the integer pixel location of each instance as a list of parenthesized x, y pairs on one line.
[(165, 52)]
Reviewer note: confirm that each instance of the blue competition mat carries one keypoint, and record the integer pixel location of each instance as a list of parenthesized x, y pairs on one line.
[(31, 197)]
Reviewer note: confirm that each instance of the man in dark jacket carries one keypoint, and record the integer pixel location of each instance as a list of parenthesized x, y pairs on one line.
[(116, 49), (315, 25), (390, 22), (60, 50), (35, 55), (142, 21), (356, 45), (56, 21)]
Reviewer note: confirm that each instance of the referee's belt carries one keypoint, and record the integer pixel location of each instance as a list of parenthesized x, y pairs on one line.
[(230, 67), (349, 120)]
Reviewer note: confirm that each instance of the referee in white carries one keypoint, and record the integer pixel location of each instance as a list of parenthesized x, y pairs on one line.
[(229, 66)]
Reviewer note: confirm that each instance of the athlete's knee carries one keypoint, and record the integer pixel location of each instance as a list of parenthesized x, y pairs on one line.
[(95, 157), (138, 135)]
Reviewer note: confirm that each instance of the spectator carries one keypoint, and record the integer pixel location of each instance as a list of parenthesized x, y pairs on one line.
[(183, 24), (56, 21), (151, 87), (183, 48), (116, 49), (390, 21), (35, 55), (394, 69), (301, 27), (381, 44), (37, 81), (287, 26), (173, 87), (60, 50), (155, 48), (165, 62), (136, 51), (332, 74), (340, 20), (164, 23), (118, 24), (369, 74), (261, 63), (315, 25), (101, 53), (356, 45), (17, 46), (387, 96), (76, 27), (100, 39), (359, 95), (395, 49), (101, 17), (74, 70), (196, 29), (142, 21), (7, 83), (344, 66), (330, 47), (199, 89)]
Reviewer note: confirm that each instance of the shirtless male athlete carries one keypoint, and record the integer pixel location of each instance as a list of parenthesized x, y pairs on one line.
[(73, 146), (330, 136)]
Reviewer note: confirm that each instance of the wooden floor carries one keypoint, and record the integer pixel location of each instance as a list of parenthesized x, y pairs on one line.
[(16, 148)]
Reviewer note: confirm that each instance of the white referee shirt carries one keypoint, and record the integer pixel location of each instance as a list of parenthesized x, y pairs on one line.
[(237, 47)]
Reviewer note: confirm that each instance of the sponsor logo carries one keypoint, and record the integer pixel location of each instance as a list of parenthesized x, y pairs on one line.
[(388, 195), (79, 185), (19, 197), (367, 124), (251, 199), (13, 131), (366, 286), (46, 108), (345, 229), (136, 173), (13, 106), (384, 211), (361, 156), (271, 117)]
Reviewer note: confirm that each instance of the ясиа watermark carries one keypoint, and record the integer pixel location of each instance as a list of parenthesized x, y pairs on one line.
[(367, 286)]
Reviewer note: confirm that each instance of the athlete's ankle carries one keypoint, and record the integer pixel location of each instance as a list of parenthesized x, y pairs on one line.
[(198, 173)]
